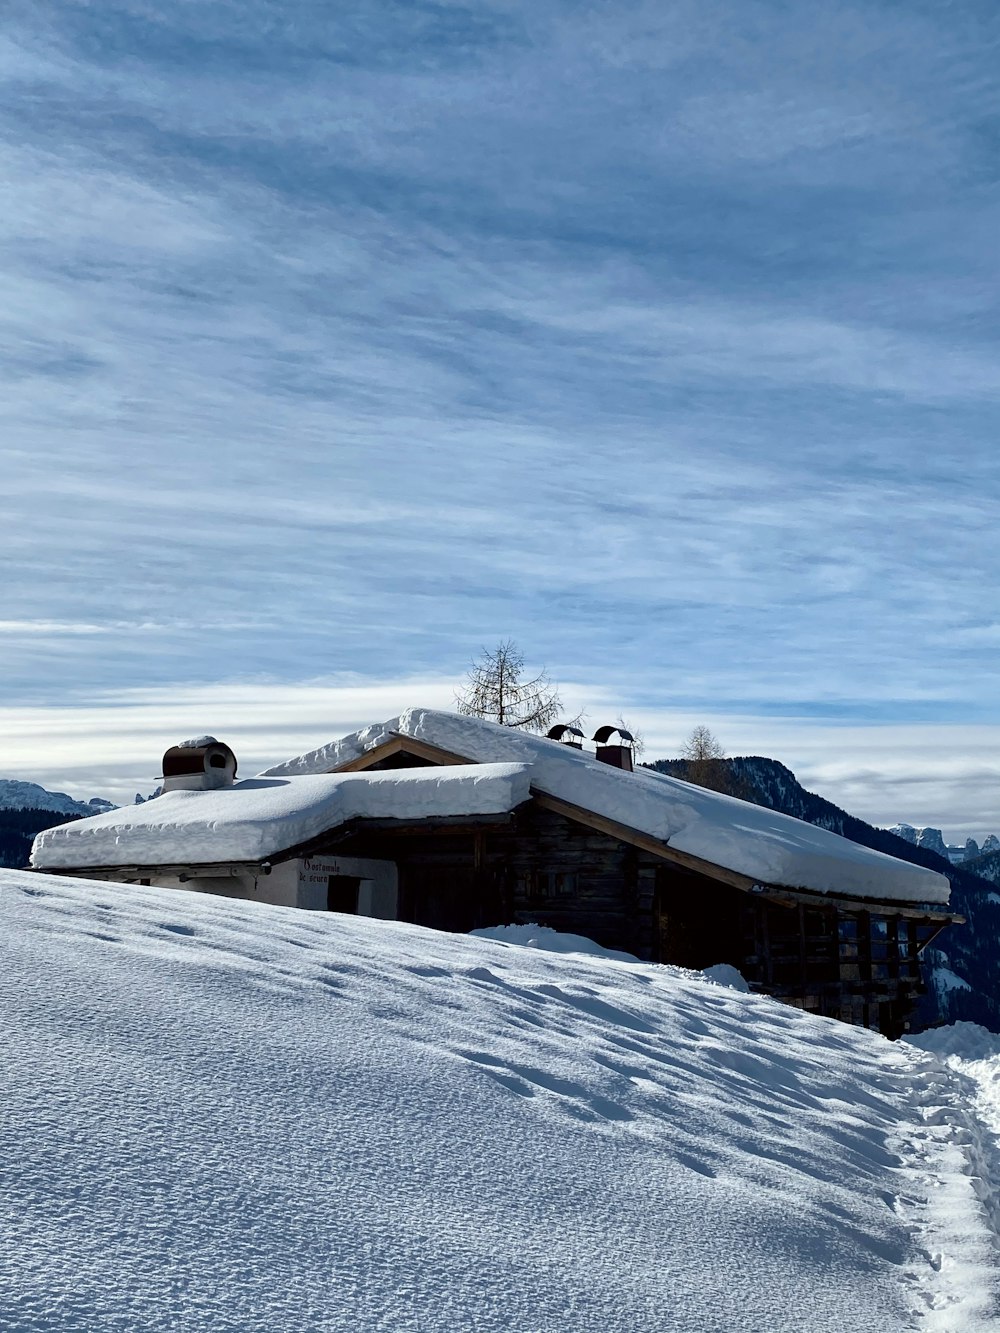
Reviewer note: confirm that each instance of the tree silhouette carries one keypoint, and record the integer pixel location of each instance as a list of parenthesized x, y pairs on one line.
[(705, 763), (495, 688), (701, 744)]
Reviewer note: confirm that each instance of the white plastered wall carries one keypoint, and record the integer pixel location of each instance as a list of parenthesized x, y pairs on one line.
[(256, 888), (301, 883), (377, 895)]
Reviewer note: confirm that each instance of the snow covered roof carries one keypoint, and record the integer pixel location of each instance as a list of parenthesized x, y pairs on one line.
[(764, 845), (258, 817), (301, 799)]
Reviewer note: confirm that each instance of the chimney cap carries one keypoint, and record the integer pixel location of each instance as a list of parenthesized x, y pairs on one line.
[(199, 764), (565, 732), (603, 734)]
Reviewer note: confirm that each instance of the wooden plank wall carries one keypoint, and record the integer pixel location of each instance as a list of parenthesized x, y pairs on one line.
[(542, 868)]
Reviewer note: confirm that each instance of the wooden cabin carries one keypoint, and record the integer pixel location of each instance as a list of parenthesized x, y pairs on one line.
[(454, 824)]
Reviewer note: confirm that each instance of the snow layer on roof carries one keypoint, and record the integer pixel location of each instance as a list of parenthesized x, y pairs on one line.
[(258, 817), (766, 846)]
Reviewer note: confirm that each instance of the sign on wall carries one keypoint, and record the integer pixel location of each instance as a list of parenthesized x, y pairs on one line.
[(376, 893)]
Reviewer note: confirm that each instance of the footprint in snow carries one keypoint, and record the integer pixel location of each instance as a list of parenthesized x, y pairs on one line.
[(527, 1081)]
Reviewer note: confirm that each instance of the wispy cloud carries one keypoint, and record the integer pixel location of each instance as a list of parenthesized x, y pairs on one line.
[(347, 339)]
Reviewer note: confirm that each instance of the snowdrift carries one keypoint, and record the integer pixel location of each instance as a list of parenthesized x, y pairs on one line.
[(220, 1116)]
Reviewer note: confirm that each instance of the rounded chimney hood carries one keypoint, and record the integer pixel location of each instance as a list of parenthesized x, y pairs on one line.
[(202, 764)]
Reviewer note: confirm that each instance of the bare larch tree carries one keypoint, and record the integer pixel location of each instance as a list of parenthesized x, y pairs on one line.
[(495, 689), (638, 740), (701, 744), (704, 762)]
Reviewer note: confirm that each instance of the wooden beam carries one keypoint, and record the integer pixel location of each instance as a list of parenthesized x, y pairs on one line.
[(877, 906), (431, 824), (400, 745), (209, 870), (922, 944)]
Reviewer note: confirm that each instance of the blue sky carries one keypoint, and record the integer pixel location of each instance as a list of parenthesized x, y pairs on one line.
[(338, 341)]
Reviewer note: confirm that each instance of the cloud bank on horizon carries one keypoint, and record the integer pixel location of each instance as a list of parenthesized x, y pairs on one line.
[(338, 341), (111, 744)]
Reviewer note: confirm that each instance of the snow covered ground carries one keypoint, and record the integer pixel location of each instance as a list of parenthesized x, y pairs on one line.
[(972, 1054), (223, 1116)]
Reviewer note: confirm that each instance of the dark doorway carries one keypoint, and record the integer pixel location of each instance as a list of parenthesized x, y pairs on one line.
[(456, 898), (697, 920), (342, 893)]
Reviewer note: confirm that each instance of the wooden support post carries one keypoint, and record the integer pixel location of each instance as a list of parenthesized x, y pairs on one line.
[(765, 935)]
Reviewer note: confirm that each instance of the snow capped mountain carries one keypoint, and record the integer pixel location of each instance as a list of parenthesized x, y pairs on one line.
[(225, 1116), (17, 795), (933, 840), (930, 838), (26, 808)]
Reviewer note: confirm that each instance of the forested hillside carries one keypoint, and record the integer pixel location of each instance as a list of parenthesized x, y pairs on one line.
[(18, 829), (986, 866)]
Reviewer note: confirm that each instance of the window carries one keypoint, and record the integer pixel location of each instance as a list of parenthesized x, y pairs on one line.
[(847, 931), (542, 886)]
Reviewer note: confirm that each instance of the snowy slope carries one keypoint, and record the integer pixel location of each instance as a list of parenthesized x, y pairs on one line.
[(760, 843), (220, 1116)]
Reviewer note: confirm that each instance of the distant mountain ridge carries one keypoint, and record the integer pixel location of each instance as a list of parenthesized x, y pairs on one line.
[(933, 839), (26, 808), (962, 972), (18, 795)]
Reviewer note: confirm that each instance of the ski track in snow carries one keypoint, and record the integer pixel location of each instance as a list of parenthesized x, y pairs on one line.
[(222, 1116), (961, 1148)]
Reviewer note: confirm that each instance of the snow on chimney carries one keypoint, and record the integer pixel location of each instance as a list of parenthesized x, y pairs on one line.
[(202, 764)]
